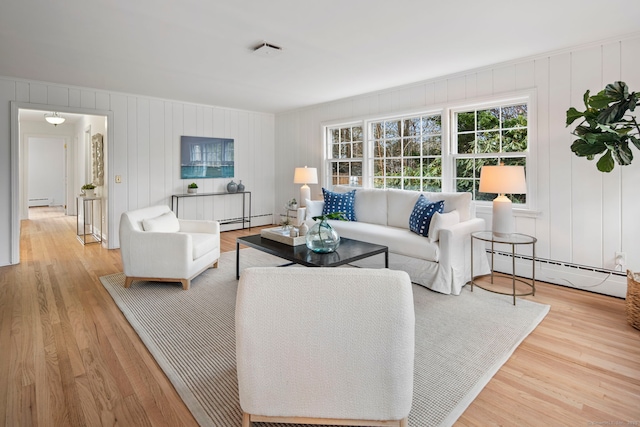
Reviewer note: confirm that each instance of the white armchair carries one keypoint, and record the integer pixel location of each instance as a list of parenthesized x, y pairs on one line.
[(325, 346), (155, 245)]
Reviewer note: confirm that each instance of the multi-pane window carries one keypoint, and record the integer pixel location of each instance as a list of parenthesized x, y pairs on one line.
[(406, 153), (345, 156), (489, 136)]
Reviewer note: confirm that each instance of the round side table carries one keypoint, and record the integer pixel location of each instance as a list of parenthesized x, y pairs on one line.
[(513, 239)]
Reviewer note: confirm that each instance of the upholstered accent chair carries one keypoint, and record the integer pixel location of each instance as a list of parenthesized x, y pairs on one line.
[(325, 346), (155, 245)]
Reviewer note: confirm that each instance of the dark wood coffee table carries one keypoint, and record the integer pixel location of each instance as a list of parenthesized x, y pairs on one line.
[(349, 250)]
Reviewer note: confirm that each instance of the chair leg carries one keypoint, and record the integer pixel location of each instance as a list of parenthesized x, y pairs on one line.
[(186, 283), (246, 420), (404, 422), (215, 264), (128, 281)]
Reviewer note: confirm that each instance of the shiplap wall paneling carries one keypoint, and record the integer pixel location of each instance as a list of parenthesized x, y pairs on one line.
[(586, 181), (560, 210), (611, 182), (543, 185), (630, 194)]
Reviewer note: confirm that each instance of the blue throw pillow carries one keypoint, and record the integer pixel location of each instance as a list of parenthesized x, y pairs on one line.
[(339, 202), (422, 213)]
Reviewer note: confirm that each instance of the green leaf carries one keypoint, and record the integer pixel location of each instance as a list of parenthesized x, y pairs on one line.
[(617, 91), (600, 101), (606, 163), (584, 149), (573, 115), (622, 154), (635, 141), (613, 113)]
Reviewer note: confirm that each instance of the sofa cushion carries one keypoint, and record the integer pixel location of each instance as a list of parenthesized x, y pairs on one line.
[(339, 202), (398, 240), (370, 204), (422, 213), (440, 221), (165, 223), (400, 204), (203, 243), (314, 208), (460, 202)]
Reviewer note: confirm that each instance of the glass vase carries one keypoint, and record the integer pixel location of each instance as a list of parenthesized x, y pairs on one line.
[(322, 238)]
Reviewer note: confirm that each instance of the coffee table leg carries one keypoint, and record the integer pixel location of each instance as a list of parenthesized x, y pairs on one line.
[(237, 261)]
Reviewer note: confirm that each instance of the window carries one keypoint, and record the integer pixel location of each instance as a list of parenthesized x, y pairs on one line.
[(406, 153), (488, 136), (434, 150), (346, 155)]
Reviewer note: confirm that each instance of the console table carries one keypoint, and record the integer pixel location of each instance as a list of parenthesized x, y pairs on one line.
[(246, 204), (86, 207)]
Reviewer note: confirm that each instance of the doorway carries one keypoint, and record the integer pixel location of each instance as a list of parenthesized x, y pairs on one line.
[(39, 183)]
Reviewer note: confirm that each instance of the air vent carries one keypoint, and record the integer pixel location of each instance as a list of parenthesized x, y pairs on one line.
[(267, 49)]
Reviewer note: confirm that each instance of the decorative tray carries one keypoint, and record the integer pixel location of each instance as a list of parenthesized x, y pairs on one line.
[(282, 235)]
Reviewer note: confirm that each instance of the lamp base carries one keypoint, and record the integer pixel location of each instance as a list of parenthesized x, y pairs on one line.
[(503, 223), (305, 193)]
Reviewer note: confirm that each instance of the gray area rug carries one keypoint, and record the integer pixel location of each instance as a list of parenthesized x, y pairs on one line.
[(461, 341)]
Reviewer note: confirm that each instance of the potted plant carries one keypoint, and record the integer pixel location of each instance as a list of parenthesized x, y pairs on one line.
[(88, 190), (293, 204), (606, 127), (321, 237), (192, 188)]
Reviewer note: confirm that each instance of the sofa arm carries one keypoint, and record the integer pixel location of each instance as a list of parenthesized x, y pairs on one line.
[(301, 215), (455, 253), (199, 226), (151, 254)]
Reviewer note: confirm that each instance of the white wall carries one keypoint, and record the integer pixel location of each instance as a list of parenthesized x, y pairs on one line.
[(145, 151), (47, 169), (584, 216)]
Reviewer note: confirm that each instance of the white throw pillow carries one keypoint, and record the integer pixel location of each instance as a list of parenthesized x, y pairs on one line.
[(440, 221), (165, 223), (314, 207)]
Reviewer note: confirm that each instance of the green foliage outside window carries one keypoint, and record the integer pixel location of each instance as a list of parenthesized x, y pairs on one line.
[(488, 137)]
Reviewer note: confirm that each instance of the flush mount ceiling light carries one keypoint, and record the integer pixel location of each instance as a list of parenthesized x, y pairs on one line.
[(54, 118), (267, 49)]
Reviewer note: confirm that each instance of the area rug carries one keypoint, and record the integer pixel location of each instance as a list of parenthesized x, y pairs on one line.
[(461, 341)]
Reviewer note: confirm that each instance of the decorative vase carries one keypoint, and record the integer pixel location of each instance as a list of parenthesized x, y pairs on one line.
[(240, 187), (303, 229), (89, 193), (232, 187), (322, 238), (192, 190)]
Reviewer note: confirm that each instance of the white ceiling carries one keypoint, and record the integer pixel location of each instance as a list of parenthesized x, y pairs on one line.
[(201, 50)]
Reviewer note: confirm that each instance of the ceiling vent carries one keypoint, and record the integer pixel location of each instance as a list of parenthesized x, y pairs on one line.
[(267, 49)]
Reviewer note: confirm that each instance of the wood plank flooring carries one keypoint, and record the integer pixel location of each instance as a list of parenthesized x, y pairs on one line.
[(68, 357)]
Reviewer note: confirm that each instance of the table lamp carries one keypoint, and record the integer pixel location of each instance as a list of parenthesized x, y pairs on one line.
[(305, 176), (502, 180)]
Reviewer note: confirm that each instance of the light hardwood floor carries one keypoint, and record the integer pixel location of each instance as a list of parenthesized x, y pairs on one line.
[(68, 357)]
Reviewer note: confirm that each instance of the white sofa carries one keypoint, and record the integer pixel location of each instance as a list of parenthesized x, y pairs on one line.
[(441, 262), (329, 346), (155, 245)]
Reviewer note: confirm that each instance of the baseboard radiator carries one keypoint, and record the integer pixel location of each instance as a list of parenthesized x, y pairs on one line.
[(593, 279), (40, 201)]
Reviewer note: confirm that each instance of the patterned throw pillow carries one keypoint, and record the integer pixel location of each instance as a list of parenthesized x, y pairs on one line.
[(422, 213), (339, 202)]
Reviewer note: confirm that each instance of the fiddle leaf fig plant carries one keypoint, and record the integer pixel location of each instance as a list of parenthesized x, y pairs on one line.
[(607, 128)]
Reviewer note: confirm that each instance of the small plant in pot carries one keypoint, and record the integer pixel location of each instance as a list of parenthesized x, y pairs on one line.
[(293, 204), (192, 188), (88, 189)]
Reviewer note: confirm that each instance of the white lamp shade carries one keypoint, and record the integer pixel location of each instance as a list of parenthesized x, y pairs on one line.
[(503, 180), (305, 175)]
